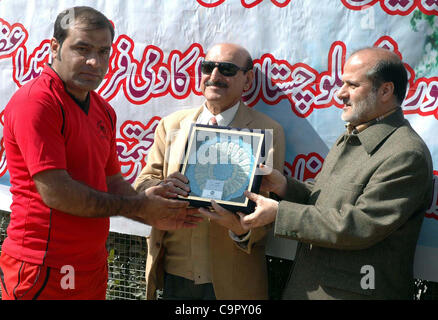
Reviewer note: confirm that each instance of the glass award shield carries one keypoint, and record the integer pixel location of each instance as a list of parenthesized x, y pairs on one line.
[(220, 164)]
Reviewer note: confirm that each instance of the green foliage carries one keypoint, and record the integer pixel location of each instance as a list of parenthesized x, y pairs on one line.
[(421, 22)]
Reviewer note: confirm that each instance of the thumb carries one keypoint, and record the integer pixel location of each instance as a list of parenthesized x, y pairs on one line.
[(242, 217), (265, 170), (244, 220), (253, 196)]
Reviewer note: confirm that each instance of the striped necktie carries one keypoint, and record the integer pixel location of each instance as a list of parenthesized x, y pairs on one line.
[(213, 121)]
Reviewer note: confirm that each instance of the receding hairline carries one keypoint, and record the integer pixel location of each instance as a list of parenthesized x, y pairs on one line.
[(380, 54), (240, 50), (84, 18)]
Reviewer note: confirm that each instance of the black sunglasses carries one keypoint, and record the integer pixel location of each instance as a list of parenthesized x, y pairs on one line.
[(227, 69)]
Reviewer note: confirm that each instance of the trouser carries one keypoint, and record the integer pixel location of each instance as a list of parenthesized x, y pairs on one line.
[(22, 280), (179, 288)]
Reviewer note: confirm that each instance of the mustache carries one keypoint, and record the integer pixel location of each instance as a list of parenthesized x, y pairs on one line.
[(216, 83), (346, 101)]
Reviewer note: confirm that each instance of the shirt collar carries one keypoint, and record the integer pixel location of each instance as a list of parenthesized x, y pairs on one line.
[(84, 105), (48, 70), (223, 119), (359, 128), (378, 129)]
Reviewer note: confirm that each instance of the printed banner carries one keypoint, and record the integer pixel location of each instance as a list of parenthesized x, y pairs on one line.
[(299, 49)]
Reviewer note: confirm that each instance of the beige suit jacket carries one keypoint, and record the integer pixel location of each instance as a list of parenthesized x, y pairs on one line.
[(237, 273)]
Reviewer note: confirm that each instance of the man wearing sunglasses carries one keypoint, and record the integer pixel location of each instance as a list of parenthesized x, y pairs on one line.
[(219, 259)]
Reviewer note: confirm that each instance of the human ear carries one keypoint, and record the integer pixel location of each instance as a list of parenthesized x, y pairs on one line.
[(55, 48), (249, 79), (387, 91)]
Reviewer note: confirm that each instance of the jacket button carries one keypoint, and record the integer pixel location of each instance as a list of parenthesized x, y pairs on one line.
[(157, 244)]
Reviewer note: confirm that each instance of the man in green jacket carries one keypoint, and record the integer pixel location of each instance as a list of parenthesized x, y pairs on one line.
[(358, 223)]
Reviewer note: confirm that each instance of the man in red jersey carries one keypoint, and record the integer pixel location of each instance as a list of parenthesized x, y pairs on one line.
[(65, 175)]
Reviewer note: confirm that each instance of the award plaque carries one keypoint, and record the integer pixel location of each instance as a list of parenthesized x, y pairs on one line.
[(220, 164)]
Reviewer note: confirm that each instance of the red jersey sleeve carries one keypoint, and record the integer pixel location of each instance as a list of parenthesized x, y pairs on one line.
[(36, 122), (113, 164)]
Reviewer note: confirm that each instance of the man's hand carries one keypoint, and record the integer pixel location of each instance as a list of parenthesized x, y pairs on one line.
[(264, 214), (224, 218), (273, 181), (178, 184), (153, 206), (164, 213)]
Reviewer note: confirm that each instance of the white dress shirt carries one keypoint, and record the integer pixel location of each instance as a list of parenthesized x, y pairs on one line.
[(223, 119)]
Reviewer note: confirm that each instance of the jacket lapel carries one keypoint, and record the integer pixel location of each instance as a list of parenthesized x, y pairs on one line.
[(243, 117), (178, 144)]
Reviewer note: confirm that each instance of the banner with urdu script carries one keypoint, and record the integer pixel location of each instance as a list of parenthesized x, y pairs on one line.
[(299, 49)]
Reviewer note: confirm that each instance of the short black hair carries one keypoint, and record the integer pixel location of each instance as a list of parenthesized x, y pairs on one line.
[(390, 69), (89, 17), (249, 64)]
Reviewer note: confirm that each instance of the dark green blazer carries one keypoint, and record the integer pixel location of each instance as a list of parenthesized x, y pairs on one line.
[(358, 223)]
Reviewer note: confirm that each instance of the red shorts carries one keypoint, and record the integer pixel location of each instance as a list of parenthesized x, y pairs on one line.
[(21, 280)]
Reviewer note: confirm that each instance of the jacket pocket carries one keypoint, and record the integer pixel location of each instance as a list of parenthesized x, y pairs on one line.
[(335, 194), (347, 281)]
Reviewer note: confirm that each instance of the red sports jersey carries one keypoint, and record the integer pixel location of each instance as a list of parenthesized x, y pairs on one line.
[(46, 129)]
